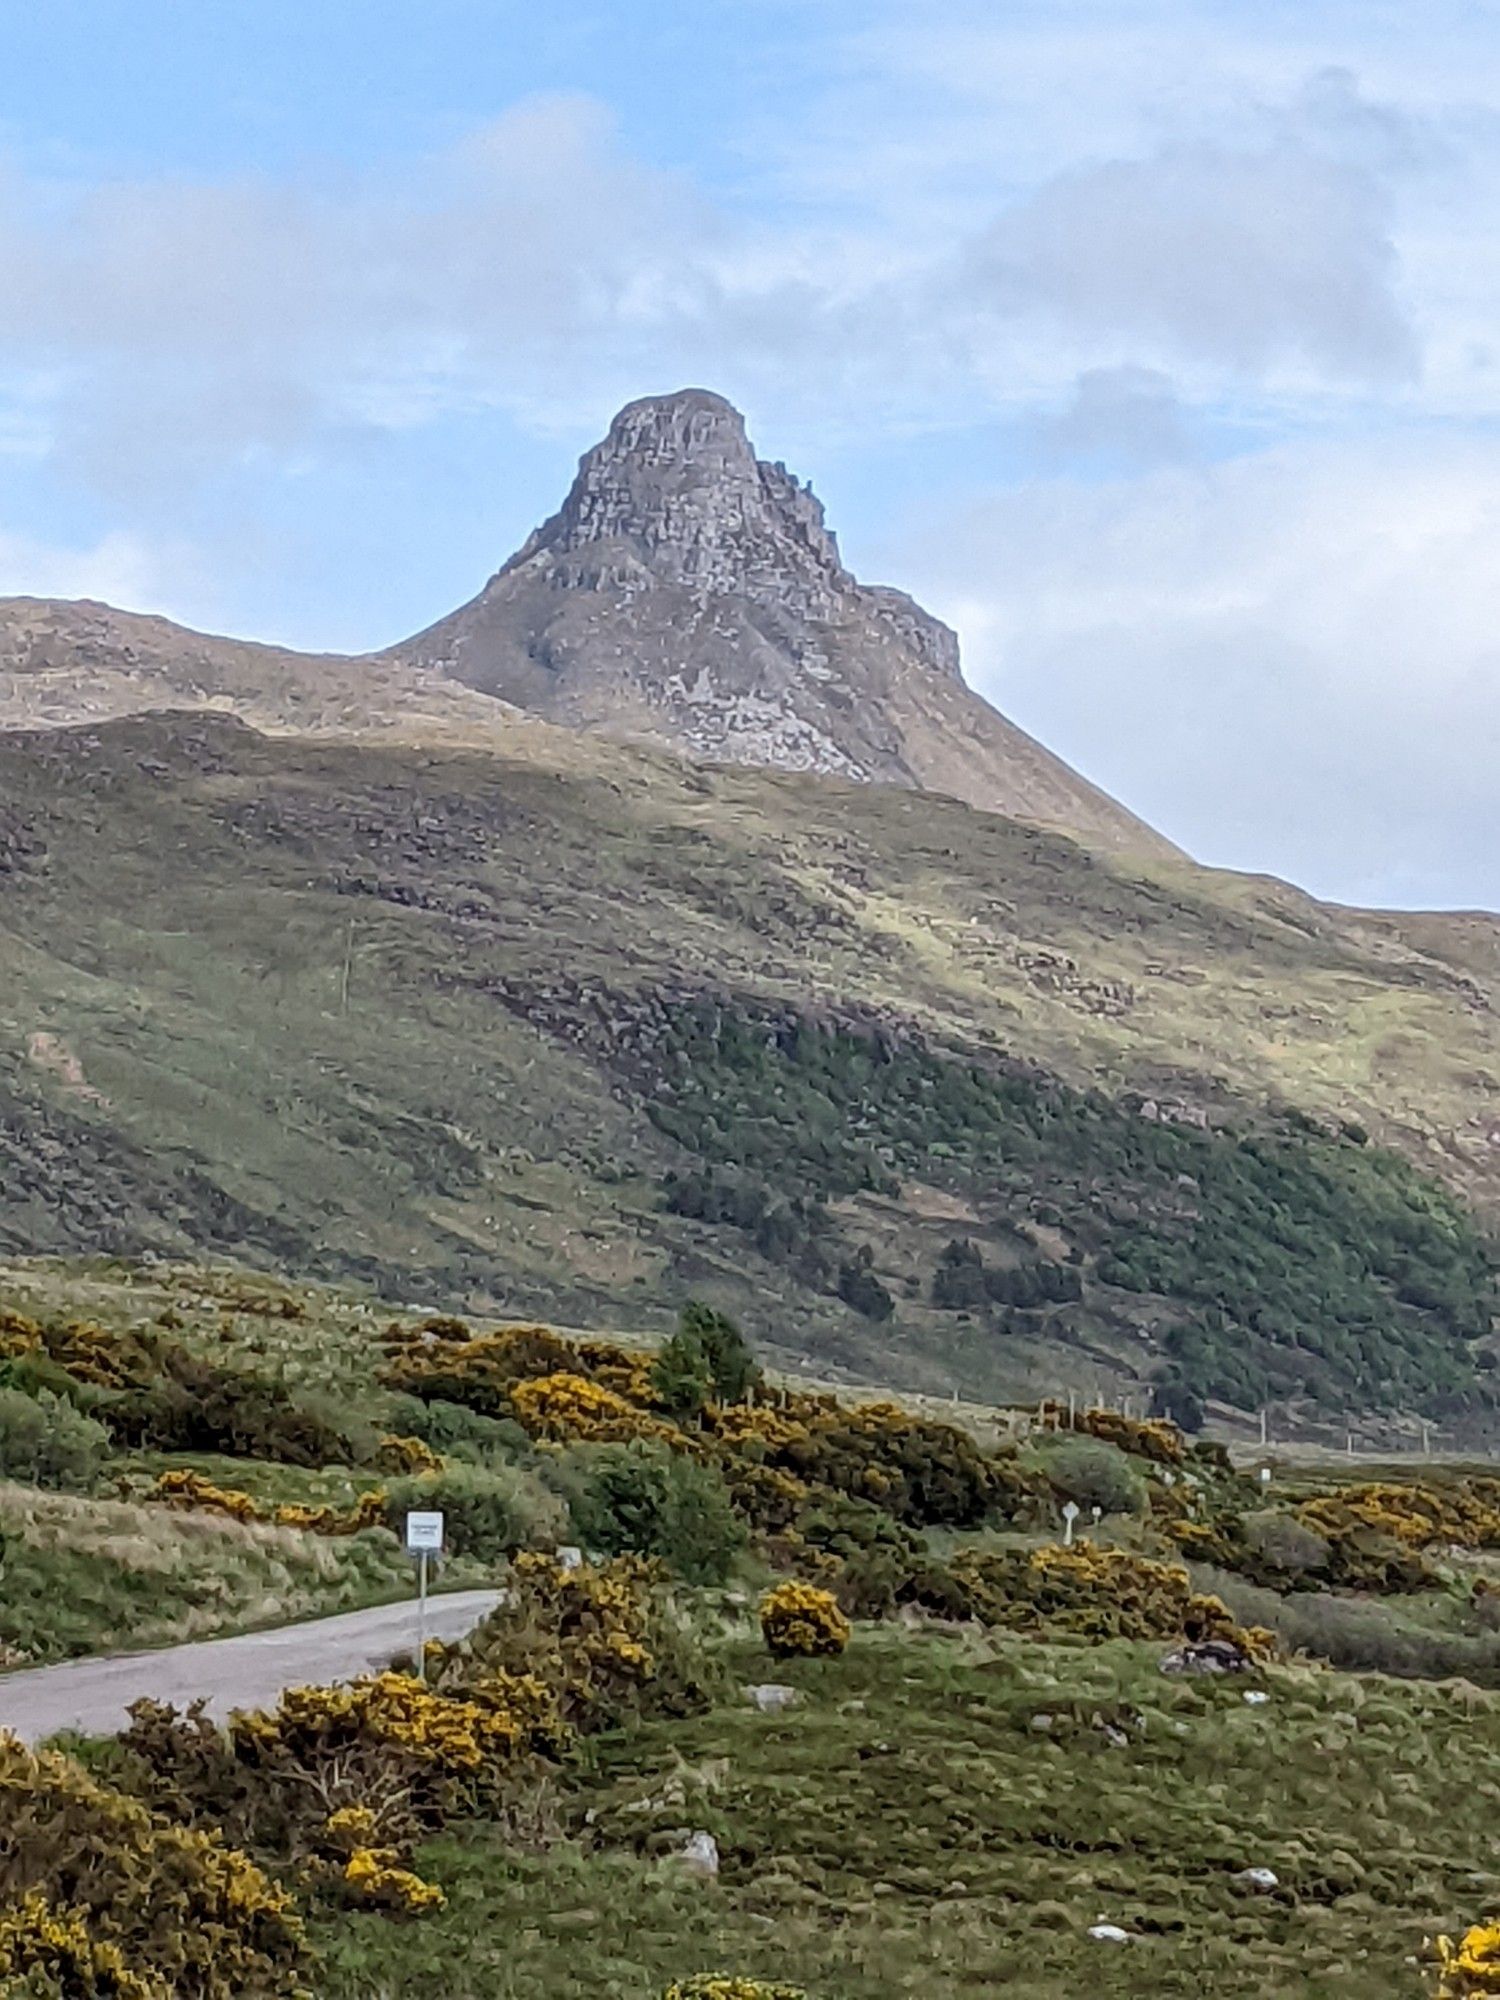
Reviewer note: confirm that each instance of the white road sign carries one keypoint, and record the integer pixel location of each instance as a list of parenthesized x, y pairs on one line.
[(424, 1533)]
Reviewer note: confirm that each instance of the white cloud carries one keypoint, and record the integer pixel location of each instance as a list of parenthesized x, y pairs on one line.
[(1244, 258), (542, 267), (118, 568), (1291, 661), (191, 324), (1130, 415)]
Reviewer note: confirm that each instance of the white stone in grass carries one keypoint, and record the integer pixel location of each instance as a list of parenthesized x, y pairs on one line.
[(1108, 1934), (1261, 1880), (700, 1856), (1256, 1698), (771, 1697)]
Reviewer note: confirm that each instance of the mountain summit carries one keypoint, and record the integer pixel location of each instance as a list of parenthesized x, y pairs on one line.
[(689, 594)]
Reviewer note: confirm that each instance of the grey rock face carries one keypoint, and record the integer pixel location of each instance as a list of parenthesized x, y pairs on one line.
[(677, 484), (691, 595)]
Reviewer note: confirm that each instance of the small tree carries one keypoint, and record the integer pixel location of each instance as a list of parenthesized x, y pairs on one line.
[(645, 1499), (680, 1377), (707, 1357), (1180, 1404), (732, 1367)]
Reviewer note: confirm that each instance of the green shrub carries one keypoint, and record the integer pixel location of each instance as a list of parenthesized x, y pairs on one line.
[(1359, 1635), (45, 1441), (731, 1366), (842, 1526), (876, 1557), (488, 1512), (1092, 1473), (680, 1378), (1282, 1546), (645, 1499), (200, 1405), (455, 1431), (37, 1370)]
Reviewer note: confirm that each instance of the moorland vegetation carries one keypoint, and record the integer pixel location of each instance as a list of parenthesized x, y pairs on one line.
[(958, 1753)]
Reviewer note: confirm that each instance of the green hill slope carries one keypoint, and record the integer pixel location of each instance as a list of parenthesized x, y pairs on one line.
[(924, 1094)]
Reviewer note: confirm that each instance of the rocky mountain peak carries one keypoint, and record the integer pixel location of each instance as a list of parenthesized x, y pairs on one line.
[(689, 594), (677, 479), (674, 494)]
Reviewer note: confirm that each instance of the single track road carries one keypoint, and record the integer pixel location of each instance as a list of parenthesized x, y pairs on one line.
[(249, 1671)]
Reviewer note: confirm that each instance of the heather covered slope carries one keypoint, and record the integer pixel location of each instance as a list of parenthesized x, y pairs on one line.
[(929, 1095)]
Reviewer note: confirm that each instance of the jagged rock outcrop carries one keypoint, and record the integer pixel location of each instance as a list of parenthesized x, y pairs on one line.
[(689, 594)]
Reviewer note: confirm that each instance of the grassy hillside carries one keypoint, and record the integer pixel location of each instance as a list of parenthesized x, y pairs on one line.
[(908, 1830), (931, 1757), (586, 1030)]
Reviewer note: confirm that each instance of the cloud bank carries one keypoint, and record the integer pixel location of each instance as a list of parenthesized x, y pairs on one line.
[(1290, 661), (539, 266)]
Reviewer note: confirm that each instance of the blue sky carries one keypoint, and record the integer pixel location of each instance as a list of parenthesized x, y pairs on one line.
[(1155, 345)]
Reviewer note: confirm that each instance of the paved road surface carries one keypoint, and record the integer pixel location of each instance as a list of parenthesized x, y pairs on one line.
[(248, 1672)]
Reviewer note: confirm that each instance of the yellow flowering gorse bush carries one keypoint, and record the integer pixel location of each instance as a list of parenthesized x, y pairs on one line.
[(570, 1409), (316, 1725), (183, 1488), (404, 1456), (1466, 1514), (799, 1619), (1097, 1593), (41, 1941), (602, 1641), (1146, 1437), (106, 1899)]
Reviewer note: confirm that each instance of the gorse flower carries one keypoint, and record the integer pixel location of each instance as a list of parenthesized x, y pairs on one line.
[(373, 1875), (182, 1487), (1470, 1968)]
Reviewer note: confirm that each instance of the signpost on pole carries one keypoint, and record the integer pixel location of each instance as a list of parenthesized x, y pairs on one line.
[(424, 1538), (1070, 1515)]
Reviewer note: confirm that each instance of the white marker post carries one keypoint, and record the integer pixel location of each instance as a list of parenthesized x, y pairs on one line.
[(424, 1538), (1070, 1515)]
